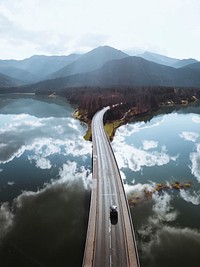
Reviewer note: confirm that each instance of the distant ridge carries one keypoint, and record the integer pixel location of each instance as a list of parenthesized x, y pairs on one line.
[(184, 62), (135, 71), (90, 61), (16, 73), (167, 61), (105, 66), (36, 67), (157, 58), (6, 81), (129, 71)]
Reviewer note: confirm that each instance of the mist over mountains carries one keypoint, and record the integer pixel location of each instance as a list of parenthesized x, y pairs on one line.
[(104, 66)]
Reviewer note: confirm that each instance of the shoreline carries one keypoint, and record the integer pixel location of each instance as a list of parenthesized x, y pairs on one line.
[(112, 125)]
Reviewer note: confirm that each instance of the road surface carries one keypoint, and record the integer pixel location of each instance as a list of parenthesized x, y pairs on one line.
[(108, 244)]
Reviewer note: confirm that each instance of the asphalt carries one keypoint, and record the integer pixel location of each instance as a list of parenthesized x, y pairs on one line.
[(108, 244)]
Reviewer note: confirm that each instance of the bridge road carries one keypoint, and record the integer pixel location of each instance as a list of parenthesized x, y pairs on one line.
[(113, 245)]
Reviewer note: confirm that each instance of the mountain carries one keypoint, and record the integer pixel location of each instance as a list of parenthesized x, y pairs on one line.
[(167, 61), (36, 67), (102, 63), (6, 81), (160, 59), (129, 71), (135, 71), (184, 62), (109, 67), (16, 73), (90, 61), (195, 66)]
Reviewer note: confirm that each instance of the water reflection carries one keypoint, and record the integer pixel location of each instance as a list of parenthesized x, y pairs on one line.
[(163, 150), (45, 228), (45, 171)]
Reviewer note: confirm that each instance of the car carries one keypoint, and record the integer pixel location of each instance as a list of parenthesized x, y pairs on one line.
[(113, 214)]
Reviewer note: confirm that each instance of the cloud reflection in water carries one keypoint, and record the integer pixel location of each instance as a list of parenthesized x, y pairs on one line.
[(45, 227)]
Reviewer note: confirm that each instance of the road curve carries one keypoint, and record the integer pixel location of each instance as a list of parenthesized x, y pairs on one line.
[(108, 244)]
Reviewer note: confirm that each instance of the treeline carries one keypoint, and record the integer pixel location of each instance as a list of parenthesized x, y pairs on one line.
[(135, 100), (138, 99)]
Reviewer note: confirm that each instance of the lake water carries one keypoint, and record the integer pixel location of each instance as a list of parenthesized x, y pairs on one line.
[(45, 178), (164, 149)]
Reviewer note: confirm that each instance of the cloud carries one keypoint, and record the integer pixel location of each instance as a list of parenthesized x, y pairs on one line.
[(91, 40), (71, 173), (43, 163), (195, 159), (56, 215), (189, 136), (165, 243), (91, 19), (193, 198), (134, 158), (6, 219), (3, 146), (162, 208), (157, 236), (196, 119), (149, 144), (43, 210), (10, 152), (129, 129), (41, 137), (15, 32), (11, 183)]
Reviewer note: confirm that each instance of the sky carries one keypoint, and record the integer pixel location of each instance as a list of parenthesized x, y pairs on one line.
[(62, 27)]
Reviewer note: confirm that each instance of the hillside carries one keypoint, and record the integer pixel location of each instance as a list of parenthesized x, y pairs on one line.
[(160, 59), (195, 67), (16, 73), (184, 62), (167, 61), (90, 61), (6, 81), (36, 67), (135, 71), (129, 71)]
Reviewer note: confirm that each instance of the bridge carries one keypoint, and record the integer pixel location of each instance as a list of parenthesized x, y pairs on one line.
[(108, 244)]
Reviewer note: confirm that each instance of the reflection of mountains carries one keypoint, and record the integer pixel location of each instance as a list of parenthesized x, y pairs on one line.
[(104, 67), (41, 106)]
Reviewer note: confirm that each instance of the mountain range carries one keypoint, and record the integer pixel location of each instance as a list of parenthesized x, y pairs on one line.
[(103, 66), (168, 61)]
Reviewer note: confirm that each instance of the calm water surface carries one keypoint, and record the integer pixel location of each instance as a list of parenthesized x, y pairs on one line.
[(45, 178), (45, 174), (164, 150)]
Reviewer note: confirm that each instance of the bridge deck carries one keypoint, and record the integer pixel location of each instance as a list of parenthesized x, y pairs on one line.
[(108, 244)]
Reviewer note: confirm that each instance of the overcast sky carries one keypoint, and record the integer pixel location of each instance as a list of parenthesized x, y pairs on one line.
[(61, 27)]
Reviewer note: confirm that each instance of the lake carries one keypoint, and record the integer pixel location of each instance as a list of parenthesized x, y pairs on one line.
[(45, 176), (163, 149), (45, 179)]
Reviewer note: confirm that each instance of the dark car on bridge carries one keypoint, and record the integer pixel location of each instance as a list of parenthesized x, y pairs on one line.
[(113, 214)]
